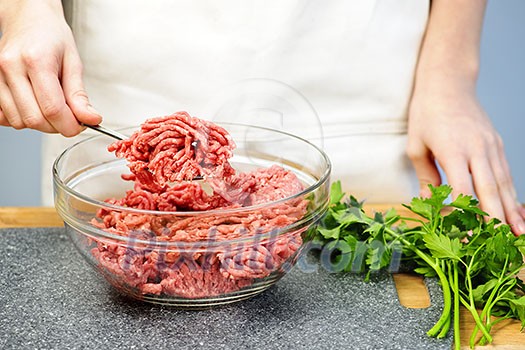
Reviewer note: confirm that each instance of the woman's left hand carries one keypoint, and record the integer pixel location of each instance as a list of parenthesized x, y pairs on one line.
[(447, 125)]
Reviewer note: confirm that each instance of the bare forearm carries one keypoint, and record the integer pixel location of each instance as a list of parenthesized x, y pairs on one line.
[(10, 10), (451, 46)]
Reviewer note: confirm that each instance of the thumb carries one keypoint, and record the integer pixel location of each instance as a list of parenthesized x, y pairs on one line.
[(74, 92), (426, 168)]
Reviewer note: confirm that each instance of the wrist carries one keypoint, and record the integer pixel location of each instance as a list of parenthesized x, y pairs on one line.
[(446, 79), (462, 66), (11, 10)]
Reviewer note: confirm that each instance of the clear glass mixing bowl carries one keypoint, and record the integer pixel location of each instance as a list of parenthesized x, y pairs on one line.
[(147, 257)]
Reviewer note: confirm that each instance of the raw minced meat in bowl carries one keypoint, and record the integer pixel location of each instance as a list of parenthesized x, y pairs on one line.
[(191, 213)]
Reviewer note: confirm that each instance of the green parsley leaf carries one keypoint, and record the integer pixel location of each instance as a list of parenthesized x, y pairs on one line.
[(425, 271), (350, 216), (518, 308), (420, 207), (329, 233), (443, 247), (336, 192), (467, 203)]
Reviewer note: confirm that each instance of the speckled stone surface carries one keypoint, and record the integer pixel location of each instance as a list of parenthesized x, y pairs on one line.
[(51, 299)]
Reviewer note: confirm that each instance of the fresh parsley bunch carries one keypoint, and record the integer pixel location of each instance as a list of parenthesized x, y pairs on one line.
[(475, 259)]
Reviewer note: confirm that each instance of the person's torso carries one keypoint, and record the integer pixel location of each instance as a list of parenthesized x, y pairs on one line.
[(292, 64), (337, 72)]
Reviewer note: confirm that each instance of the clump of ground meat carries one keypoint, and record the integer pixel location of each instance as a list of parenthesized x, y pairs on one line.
[(164, 156), (176, 148)]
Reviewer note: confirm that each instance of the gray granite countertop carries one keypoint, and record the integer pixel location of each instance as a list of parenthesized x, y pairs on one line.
[(51, 299)]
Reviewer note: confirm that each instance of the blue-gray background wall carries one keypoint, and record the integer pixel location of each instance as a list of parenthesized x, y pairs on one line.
[(501, 91)]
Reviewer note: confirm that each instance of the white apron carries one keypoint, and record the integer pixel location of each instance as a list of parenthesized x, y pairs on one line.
[(338, 73)]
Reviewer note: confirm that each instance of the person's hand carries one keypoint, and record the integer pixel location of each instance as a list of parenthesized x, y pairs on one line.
[(40, 70), (447, 125)]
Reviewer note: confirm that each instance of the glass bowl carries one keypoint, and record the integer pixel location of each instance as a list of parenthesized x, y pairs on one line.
[(147, 255)]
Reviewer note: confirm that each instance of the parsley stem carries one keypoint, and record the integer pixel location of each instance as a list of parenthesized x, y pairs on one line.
[(474, 312), (454, 276), (471, 306), (445, 328), (406, 218), (483, 340), (444, 320), (486, 312)]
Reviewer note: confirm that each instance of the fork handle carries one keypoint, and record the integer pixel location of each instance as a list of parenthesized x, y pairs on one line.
[(106, 131)]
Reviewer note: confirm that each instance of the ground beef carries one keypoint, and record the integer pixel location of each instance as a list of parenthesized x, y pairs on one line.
[(164, 155), (176, 148)]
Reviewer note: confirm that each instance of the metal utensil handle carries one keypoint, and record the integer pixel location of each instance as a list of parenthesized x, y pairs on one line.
[(109, 132)]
